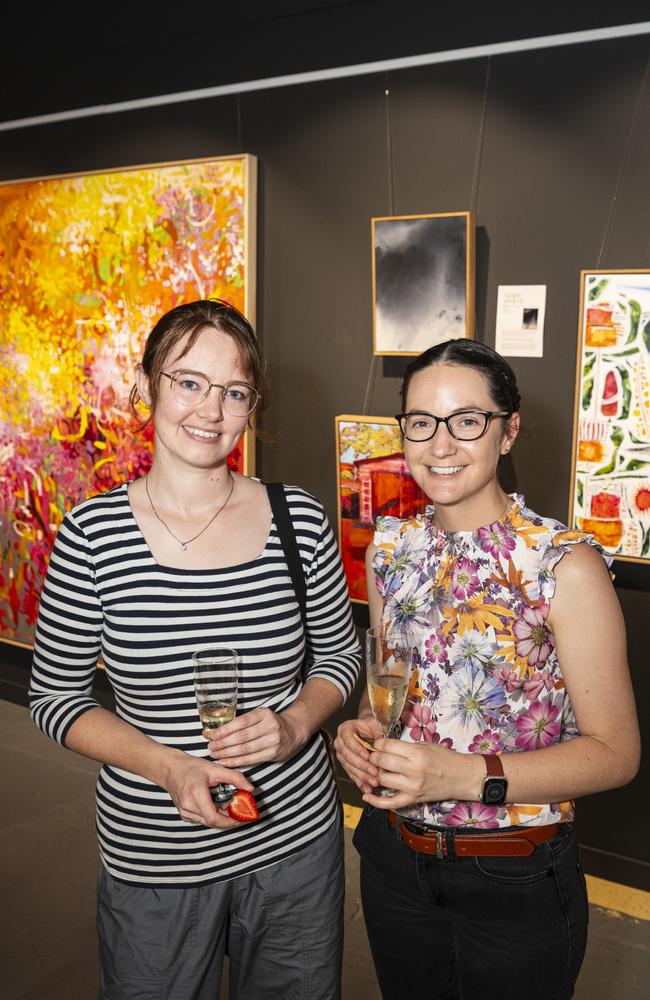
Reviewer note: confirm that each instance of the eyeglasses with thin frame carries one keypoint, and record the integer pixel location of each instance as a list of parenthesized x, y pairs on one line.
[(464, 425), (191, 388)]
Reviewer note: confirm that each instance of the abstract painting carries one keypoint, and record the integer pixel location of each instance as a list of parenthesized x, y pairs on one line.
[(422, 281), (610, 480), (372, 480), (88, 263)]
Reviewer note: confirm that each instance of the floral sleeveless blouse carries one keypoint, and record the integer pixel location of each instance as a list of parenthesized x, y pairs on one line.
[(486, 677)]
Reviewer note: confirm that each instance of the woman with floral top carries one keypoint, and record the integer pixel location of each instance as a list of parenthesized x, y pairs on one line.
[(520, 701)]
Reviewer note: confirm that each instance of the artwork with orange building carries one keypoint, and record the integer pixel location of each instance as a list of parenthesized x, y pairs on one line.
[(373, 481)]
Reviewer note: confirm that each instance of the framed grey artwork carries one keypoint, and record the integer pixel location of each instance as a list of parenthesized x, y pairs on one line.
[(422, 281)]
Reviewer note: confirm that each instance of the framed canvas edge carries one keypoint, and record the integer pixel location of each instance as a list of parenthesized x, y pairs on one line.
[(373, 302), (250, 265), (470, 275), (576, 401), (337, 445), (4, 641), (250, 235), (246, 157), (359, 418), (631, 559), (249, 442), (584, 272)]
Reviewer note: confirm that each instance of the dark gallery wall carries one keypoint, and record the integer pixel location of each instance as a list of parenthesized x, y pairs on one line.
[(549, 148), (63, 59)]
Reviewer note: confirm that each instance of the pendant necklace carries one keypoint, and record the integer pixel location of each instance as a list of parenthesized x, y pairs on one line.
[(182, 544)]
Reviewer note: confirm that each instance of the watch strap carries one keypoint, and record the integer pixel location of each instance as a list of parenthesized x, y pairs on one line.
[(493, 765)]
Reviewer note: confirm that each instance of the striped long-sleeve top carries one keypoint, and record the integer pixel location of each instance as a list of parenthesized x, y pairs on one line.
[(106, 596)]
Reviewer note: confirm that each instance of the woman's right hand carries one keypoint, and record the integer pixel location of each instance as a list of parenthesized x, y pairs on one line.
[(189, 780), (353, 756)]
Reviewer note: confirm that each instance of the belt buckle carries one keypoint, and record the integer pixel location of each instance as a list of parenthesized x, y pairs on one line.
[(423, 831)]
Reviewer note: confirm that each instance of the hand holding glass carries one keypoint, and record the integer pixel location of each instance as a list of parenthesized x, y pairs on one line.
[(388, 669), (216, 672)]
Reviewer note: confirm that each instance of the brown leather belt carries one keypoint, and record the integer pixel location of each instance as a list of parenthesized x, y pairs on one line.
[(501, 843)]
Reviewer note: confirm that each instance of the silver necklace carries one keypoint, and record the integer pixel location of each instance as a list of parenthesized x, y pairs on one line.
[(182, 544)]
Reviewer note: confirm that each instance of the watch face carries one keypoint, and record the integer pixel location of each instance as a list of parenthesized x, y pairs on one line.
[(494, 791)]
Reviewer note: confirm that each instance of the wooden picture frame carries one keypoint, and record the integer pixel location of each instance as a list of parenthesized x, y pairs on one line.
[(423, 281), (610, 452), (372, 478), (88, 263)]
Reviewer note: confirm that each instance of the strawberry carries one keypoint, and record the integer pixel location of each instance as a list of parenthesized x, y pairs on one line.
[(242, 806)]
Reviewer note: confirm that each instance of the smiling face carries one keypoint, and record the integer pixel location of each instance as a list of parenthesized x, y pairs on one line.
[(458, 476), (201, 436)]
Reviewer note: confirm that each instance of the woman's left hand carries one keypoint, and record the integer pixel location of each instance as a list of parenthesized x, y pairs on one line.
[(420, 772), (257, 737)]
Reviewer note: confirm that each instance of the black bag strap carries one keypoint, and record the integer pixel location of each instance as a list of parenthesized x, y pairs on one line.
[(284, 525)]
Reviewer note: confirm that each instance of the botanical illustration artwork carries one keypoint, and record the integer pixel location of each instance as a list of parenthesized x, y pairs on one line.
[(87, 265), (373, 480), (610, 489), (423, 281)]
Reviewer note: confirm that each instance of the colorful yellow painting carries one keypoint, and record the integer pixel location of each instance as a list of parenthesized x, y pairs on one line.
[(88, 263)]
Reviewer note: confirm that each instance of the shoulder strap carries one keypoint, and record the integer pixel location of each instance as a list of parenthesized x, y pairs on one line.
[(284, 525)]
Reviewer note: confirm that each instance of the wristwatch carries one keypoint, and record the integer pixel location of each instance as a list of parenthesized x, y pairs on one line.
[(495, 783)]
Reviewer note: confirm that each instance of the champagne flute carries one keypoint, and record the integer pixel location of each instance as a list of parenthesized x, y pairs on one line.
[(216, 672), (388, 670)]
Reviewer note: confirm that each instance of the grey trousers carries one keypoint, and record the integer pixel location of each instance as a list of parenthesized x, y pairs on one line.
[(283, 926)]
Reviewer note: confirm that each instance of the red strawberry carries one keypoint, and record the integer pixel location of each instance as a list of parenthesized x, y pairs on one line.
[(242, 806)]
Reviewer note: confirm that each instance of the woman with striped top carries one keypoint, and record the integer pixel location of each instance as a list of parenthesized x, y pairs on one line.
[(186, 558)]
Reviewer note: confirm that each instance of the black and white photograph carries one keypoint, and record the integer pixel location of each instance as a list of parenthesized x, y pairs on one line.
[(423, 281)]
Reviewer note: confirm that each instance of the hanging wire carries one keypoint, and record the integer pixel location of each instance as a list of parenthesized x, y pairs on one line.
[(389, 147), (240, 148), (613, 208), (480, 141), (370, 383)]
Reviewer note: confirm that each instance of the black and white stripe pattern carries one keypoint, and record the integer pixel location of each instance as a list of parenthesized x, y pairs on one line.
[(104, 594)]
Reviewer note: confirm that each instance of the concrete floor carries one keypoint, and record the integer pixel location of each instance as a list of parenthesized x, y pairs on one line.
[(47, 933)]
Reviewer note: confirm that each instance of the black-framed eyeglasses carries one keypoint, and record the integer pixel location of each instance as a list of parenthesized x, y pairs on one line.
[(191, 388), (464, 425)]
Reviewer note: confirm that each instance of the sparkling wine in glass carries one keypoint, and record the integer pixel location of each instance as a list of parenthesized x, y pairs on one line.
[(388, 670), (216, 673)]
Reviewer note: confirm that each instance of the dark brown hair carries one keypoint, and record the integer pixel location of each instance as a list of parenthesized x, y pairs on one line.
[(187, 321), (501, 380)]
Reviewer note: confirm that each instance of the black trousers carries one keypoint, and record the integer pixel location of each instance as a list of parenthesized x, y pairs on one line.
[(487, 928)]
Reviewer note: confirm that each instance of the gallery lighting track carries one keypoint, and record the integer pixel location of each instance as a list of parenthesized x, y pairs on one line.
[(339, 72)]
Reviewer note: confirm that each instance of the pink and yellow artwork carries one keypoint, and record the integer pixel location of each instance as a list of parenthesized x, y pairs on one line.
[(610, 483), (88, 263)]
